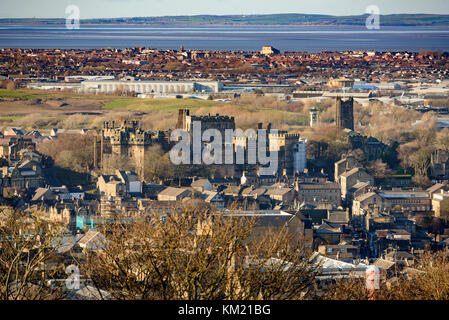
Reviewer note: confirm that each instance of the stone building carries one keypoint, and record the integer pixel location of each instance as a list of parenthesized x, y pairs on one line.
[(282, 195), (290, 148), (186, 122), (269, 51), (439, 163), (341, 83), (121, 145), (173, 194), (345, 113), (440, 204), (300, 156), (221, 123), (371, 147), (347, 163), (121, 184), (315, 193), (25, 174), (413, 201), (291, 151), (352, 177), (10, 147), (366, 202), (406, 200)]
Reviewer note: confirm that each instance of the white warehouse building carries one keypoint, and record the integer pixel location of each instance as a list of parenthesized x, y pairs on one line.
[(149, 87)]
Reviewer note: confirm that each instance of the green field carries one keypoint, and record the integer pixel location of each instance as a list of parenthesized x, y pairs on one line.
[(113, 102), (10, 118), (27, 94), (19, 94), (169, 105), (16, 115), (172, 105)]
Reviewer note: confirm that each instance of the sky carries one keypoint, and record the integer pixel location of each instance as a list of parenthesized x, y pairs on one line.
[(146, 8)]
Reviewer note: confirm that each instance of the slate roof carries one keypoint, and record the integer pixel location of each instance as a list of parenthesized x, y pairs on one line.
[(350, 172), (384, 264), (329, 227), (199, 183), (42, 192), (435, 187), (172, 192), (278, 191), (314, 186), (365, 196)]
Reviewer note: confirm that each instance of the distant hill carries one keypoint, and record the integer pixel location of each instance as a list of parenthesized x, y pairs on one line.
[(252, 20)]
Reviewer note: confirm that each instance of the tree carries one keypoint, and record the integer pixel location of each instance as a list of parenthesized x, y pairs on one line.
[(391, 156), (420, 160), (158, 165), (195, 255), (359, 155), (11, 85), (430, 281), (436, 226), (7, 84), (421, 181), (442, 139), (336, 142), (71, 151), (405, 152), (113, 162), (26, 247), (379, 169)]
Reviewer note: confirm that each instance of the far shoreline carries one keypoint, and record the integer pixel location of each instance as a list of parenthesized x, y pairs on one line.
[(442, 26)]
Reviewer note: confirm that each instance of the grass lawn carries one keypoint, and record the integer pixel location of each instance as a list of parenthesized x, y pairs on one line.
[(117, 103), (10, 118), (288, 116), (169, 105), (28, 94), (113, 102), (172, 105), (18, 94)]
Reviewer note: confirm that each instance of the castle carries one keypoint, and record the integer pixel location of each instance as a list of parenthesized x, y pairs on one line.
[(122, 143), (221, 123), (291, 151), (291, 148), (218, 122)]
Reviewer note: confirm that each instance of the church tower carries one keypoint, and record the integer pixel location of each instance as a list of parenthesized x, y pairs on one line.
[(345, 113)]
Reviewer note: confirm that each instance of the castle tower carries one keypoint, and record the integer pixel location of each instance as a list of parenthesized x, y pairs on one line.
[(345, 113), (123, 145), (287, 147), (183, 115), (300, 155)]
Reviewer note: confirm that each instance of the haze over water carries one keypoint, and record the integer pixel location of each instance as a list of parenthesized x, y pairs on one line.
[(247, 38)]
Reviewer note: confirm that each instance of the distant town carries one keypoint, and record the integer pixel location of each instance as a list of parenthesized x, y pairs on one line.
[(361, 139)]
